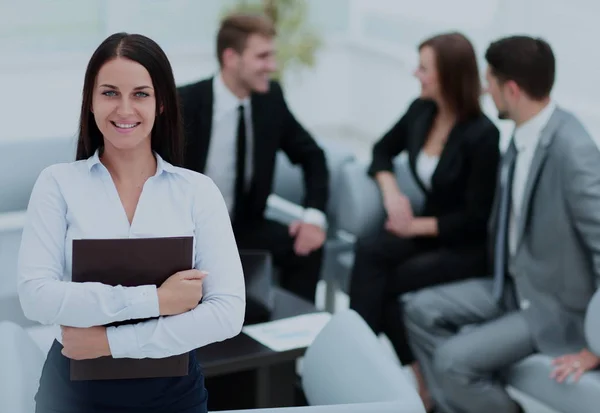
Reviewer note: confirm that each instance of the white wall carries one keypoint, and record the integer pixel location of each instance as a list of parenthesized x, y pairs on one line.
[(362, 81), (42, 82)]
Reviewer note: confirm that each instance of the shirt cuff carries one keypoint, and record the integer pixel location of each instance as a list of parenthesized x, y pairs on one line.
[(142, 301), (315, 217), (122, 342)]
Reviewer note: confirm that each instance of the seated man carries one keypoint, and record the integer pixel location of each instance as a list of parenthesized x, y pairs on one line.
[(546, 243), (235, 122)]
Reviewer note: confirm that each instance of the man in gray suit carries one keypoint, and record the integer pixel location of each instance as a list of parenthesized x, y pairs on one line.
[(545, 242)]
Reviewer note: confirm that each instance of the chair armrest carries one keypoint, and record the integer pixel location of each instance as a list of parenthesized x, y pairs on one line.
[(360, 209), (334, 248), (12, 221), (592, 324)]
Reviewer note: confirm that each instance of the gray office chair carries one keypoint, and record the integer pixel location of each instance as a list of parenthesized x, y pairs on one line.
[(360, 214), (530, 376), (22, 361), (289, 181), (346, 365), (345, 371), (289, 188), (21, 162)]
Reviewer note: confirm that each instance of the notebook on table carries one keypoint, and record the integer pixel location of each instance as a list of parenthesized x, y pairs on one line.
[(130, 262)]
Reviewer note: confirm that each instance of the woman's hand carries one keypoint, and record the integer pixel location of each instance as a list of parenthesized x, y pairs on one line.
[(181, 292), (399, 213), (84, 343)]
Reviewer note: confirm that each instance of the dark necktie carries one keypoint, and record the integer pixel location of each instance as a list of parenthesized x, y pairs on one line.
[(240, 166), (503, 215)]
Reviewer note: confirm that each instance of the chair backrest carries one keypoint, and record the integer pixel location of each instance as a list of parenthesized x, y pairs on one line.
[(21, 162), (22, 361), (289, 179), (592, 323), (11, 227), (360, 209), (346, 365)]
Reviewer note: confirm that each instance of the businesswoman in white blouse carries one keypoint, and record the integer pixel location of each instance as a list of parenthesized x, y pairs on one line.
[(126, 184)]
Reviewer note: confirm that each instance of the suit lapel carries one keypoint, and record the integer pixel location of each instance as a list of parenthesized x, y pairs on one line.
[(452, 147), (535, 169), (205, 130)]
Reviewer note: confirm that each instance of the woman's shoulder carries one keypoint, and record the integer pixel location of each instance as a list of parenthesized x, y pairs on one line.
[(64, 170), (481, 121), (420, 104), (196, 180), (481, 127), (56, 179), (200, 189)]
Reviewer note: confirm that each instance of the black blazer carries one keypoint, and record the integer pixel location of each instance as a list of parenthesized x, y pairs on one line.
[(463, 184), (274, 128)]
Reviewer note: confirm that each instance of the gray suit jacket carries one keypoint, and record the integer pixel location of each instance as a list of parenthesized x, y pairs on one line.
[(557, 262)]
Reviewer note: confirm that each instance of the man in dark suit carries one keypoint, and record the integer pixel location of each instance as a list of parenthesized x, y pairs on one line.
[(235, 122)]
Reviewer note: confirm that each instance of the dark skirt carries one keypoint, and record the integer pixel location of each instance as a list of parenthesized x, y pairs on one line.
[(58, 394)]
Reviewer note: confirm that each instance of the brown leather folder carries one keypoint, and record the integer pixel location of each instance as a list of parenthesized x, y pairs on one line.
[(130, 262)]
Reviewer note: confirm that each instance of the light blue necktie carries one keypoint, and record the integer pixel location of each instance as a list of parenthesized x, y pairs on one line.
[(501, 239)]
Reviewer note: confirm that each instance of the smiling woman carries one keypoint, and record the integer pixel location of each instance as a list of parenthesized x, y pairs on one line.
[(126, 173), (118, 89), (124, 107)]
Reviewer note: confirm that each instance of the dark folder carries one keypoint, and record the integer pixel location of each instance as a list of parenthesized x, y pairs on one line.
[(130, 262)]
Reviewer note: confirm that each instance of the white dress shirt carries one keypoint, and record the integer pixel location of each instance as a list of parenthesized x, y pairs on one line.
[(221, 159), (79, 201), (527, 137)]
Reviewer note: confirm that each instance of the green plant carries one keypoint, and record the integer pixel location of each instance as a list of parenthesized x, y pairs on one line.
[(296, 42)]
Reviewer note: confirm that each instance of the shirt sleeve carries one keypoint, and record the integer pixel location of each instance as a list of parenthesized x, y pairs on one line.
[(48, 299), (315, 217), (220, 315)]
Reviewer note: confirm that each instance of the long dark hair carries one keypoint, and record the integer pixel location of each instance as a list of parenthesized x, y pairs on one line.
[(167, 133), (458, 72)]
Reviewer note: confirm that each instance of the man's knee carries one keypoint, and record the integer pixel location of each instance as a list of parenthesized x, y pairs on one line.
[(422, 308), (451, 362)]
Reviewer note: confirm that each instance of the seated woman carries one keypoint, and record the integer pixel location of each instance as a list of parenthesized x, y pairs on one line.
[(453, 154)]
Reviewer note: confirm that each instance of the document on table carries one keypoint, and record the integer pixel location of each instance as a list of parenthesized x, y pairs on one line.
[(288, 333)]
